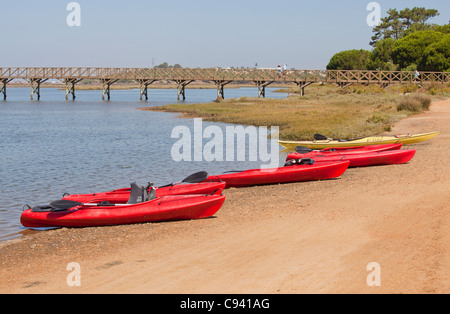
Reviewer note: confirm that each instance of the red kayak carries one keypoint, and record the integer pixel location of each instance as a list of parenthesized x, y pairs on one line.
[(297, 173), (166, 208), (351, 150), (121, 196), (362, 159)]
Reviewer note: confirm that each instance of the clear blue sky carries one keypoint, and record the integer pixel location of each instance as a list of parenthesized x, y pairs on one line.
[(194, 33)]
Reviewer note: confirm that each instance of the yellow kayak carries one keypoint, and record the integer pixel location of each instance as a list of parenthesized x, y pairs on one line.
[(373, 140)]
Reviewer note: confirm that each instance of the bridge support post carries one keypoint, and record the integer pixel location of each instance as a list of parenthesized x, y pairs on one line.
[(344, 85), (302, 86), (36, 87), (262, 88), (220, 88), (143, 86), (107, 88), (70, 87), (181, 88), (4, 81)]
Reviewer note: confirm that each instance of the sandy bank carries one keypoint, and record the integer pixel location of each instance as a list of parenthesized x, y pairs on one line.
[(314, 237)]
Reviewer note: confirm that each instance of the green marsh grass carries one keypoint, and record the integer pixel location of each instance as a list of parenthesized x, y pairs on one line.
[(326, 109)]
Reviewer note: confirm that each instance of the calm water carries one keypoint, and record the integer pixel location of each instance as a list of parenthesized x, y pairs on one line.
[(52, 146)]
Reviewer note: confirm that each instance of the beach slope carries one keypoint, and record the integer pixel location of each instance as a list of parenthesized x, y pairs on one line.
[(313, 237)]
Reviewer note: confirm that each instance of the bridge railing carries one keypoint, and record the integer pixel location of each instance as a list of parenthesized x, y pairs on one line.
[(385, 77), (217, 74)]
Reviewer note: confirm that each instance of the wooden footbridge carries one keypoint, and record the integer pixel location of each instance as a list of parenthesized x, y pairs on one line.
[(221, 77)]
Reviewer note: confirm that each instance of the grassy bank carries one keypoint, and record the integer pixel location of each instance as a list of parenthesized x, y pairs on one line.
[(326, 109)]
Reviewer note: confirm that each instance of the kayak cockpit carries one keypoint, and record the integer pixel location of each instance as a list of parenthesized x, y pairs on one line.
[(139, 194)]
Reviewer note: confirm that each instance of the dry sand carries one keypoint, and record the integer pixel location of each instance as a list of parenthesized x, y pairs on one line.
[(314, 237)]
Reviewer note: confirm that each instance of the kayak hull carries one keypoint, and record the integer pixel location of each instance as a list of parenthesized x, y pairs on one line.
[(362, 159), (297, 173), (121, 196), (167, 208), (361, 149), (374, 140)]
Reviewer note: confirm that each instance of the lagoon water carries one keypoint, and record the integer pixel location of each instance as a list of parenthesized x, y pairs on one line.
[(51, 146)]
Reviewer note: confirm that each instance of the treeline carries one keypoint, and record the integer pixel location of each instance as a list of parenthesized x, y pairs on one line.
[(165, 65), (402, 41)]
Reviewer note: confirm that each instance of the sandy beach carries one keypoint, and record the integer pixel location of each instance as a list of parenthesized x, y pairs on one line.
[(313, 237)]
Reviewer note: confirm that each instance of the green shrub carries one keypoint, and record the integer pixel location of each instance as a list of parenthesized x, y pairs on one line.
[(415, 103), (350, 60), (437, 89), (371, 89), (411, 49), (432, 90), (376, 118), (411, 68), (409, 88), (362, 89), (437, 55)]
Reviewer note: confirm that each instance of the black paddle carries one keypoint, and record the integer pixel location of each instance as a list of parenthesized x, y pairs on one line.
[(193, 178), (233, 171), (303, 150), (320, 137), (196, 177), (65, 205)]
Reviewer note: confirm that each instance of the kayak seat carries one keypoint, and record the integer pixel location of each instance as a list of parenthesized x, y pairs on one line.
[(151, 194), (42, 209), (302, 161), (320, 137), (140, 194)]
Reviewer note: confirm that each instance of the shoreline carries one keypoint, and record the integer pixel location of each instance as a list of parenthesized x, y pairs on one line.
[(311, 237)]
